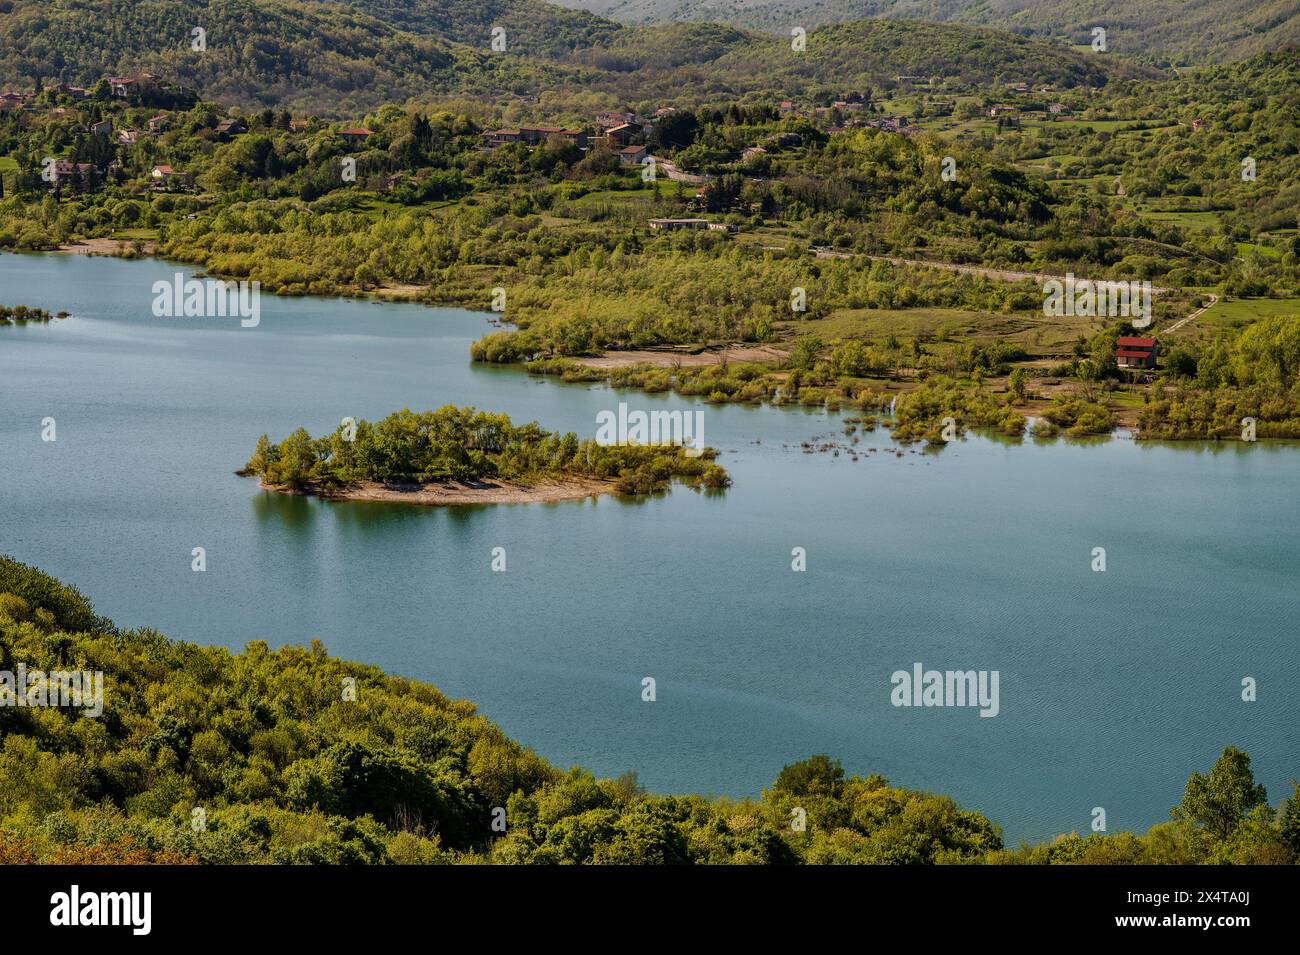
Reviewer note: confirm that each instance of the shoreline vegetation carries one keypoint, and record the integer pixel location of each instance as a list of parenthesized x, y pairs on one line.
[(299, 757), (1250, 376), (1176, 407), (464, 456)]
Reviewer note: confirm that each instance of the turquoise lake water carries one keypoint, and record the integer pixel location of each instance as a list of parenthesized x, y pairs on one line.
[(1113, 686)]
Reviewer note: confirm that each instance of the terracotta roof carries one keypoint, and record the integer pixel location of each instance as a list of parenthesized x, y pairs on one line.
[(1139, 342)]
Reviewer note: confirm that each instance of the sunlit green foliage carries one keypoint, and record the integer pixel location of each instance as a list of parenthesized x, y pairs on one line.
[(465, 445)]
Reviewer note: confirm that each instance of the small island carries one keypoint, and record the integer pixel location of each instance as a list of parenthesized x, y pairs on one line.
[(467, 456), (21, 315)]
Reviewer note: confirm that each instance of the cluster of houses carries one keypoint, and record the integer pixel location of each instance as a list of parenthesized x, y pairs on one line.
[(615, 129), (86, 177), (1007, 111), (625, 132), (534, 136), (854, 114), (1010, 111), (120, 87), (16, 100)]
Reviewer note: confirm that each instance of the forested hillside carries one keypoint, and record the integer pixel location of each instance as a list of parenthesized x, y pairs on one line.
[(1177, 32), (290, 755), (340, 58), (296, 55), (532, 26), (853, 55)]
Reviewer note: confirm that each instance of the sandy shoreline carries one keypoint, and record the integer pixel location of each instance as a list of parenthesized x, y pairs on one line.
[(455, 493), (667, 359), (105, 246)]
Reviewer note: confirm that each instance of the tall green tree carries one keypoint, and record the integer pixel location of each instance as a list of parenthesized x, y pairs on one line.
[(1218, 802)]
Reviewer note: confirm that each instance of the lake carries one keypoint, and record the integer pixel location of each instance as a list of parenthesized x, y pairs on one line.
[(1114, 685)]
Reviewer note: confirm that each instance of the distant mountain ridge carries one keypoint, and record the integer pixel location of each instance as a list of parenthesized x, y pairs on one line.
[(1178, 32)]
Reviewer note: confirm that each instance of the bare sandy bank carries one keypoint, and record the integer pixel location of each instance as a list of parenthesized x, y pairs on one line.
[(456, 492), (667, 359), (105, 246)]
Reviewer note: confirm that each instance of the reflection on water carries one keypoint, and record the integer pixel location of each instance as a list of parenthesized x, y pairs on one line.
[(295, 512), (1263, 446)]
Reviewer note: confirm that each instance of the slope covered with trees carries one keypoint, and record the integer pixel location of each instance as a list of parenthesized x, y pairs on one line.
[(534, 27), (340, 57), (301, 55), (1180, 32)]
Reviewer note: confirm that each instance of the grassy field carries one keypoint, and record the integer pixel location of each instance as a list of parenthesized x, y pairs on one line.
[(1244, 248), (144, 235), (1235, 312), (667, 188), (1202, 221)]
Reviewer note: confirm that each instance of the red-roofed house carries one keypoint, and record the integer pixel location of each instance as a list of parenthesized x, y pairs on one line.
[(633, 155), (614, 118), (536, 135), (499, 137), (122, 86), (354, 137), (1132, 352)]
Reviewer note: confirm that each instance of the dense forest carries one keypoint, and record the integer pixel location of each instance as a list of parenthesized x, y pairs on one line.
[(464, 445), (1178, 32), (340, 58), (292, 756)]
